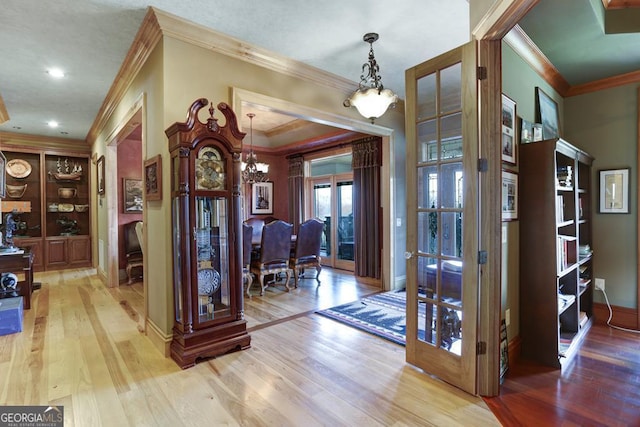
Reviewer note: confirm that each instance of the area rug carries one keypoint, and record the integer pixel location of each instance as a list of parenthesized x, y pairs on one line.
[(382, 314)]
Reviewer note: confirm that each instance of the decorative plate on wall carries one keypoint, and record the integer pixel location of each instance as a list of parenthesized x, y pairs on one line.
[(18, 168)]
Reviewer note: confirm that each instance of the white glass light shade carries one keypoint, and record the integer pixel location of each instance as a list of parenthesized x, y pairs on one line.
[(372, 103)]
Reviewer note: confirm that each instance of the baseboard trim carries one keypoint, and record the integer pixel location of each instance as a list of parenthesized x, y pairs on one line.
[(158, 338), (624, 317)]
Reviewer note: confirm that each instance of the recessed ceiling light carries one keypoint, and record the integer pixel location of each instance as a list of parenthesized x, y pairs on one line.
[(52, 124), (56, 72)]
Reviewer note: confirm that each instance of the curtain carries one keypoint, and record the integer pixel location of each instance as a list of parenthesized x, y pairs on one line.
[(366, 164), (296, 191)]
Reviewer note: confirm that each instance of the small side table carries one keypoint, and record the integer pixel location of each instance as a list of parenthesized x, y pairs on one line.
[(14, 262)]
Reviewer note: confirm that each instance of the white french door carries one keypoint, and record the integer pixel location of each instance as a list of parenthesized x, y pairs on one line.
[(331, 200)]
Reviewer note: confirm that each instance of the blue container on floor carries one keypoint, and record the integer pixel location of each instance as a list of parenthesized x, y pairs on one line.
[(10, 315)]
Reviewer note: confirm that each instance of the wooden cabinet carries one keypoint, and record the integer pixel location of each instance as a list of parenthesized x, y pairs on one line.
[(53, 212), (556, 286), (207, 229)]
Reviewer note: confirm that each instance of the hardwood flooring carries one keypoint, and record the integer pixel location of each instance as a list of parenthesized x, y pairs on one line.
[(81, 348), (600, 387)]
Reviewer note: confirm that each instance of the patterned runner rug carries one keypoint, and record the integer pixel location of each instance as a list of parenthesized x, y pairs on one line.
[(381, 314)]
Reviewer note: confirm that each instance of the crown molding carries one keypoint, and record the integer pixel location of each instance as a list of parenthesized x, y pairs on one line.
[(43, 142), (529, 52), (608, 83), (204, 37), (145, 41), (502, 15), (158, 24)]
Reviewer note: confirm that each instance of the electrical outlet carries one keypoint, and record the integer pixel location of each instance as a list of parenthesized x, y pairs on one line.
[(600, 284), (507, 316)]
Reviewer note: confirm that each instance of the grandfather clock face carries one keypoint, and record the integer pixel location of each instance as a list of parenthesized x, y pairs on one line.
[(210, 173)]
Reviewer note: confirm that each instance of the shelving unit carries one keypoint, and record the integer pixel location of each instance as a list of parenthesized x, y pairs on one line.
[(56, 228), (556, 286)]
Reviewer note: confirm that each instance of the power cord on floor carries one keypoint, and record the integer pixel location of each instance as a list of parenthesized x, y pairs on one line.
[(611, 315)]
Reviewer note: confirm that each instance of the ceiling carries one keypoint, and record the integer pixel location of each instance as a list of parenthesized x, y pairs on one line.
[(90, 39)]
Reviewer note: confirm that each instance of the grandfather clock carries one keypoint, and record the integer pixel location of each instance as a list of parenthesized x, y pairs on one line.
[(207, 236)]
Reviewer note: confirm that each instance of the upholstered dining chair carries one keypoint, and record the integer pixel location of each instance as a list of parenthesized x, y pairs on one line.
[(247, 235), (275, 249), (133, 250), (307, 250)]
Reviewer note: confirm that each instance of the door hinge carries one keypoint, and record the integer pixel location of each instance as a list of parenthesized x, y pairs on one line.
[(481, 348), (482, 73), (482, 257), (483, 165)]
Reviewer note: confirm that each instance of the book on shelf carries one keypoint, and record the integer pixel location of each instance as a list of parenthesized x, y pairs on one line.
[(565, 301), (559, 209)]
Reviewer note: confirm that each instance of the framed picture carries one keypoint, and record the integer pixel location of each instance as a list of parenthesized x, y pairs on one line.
[(3, 175), (526, 131), (153, 178), (614, 191), (132, 194), (509, 196), (547, 115), (504, 350), (262, 198), (100, 179), (508, 130)]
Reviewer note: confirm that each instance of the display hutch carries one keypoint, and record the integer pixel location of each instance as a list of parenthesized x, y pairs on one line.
[(48, 192), (207, 230), (556, 260)]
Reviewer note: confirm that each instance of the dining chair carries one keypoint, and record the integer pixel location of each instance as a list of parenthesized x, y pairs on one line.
[(247, 235), (132, 249), (307, 250), (275, 249)]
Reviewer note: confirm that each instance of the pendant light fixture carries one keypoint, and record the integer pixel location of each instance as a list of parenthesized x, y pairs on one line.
[(252, 171), (371, 99)]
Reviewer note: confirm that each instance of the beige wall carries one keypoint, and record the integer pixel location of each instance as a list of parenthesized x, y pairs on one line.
[(175, 75)]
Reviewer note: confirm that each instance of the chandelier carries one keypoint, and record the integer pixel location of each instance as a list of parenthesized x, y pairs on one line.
[(371, 99), (252, 171)]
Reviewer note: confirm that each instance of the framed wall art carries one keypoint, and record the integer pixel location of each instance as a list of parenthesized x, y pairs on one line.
[(547, 114), (508, 130), (509, 196), (100, 175), (153, 178), (614, 191), (132, 194), (262, 198)]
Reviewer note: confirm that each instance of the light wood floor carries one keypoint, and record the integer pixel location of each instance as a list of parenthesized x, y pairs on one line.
[(81, 348)]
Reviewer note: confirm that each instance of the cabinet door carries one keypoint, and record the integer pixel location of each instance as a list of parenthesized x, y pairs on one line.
[(35, 244), (56, 252), (79, 250)]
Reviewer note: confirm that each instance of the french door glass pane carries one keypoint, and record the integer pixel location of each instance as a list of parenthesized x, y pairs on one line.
[(450, 89), (428, 141), (322, 210), (427, 187), (426, 97), (345, 220)]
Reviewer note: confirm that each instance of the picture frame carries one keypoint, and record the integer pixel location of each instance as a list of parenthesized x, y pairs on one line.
[(508, 130), (509, 205), (153, 178), (504, 350), (526, 131), (100, 175), (614, 191), (132, 195), (3, 175), (547, 114), (262, 198)]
